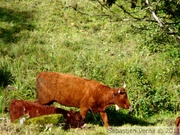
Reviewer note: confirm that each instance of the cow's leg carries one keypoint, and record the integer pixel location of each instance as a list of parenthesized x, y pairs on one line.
[(104, 118), (83, 112), (84, 106)]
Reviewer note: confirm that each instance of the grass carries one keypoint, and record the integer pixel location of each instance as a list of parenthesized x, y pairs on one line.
[(10, 129), (90, 42)]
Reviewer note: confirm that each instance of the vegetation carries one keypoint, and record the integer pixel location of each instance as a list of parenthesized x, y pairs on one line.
[(111, 43)]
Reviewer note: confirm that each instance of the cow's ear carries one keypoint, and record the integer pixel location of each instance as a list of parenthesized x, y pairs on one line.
[(115, 93), (118, 91), (121, 92)]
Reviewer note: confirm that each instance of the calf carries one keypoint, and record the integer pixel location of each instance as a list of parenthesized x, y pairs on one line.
[(79, 92), (177, 128), (19, 108)]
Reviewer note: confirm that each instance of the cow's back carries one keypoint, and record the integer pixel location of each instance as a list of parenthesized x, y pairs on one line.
[(66, 89)]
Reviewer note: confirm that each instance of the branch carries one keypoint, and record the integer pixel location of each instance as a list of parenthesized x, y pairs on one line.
[(154, 14), (161, 23), (125, 11), (91, 14), (83, 13), (104, 6)]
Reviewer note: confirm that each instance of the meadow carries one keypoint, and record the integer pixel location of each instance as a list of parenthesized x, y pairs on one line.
[(83, 38)]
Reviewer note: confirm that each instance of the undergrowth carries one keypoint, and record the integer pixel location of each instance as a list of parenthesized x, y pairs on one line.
[(92, 42)]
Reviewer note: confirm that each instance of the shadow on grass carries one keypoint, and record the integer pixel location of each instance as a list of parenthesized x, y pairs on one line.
[(6, 77), (116, 118), (13, 22)]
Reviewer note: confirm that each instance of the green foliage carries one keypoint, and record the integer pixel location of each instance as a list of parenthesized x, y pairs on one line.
[(109, 46)]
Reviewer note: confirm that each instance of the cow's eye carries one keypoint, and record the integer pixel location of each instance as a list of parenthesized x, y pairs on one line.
[(122, 93)]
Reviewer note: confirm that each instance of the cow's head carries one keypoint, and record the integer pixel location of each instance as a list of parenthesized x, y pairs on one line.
[(121, 98), (74, 120)]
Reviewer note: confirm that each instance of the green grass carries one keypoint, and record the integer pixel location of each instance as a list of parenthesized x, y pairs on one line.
[(11, 129), (90, 42)]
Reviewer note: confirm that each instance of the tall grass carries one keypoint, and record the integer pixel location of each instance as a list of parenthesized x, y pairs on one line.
[(89, 42)]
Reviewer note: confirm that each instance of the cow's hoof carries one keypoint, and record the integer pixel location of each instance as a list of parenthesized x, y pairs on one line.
[(109, 129)]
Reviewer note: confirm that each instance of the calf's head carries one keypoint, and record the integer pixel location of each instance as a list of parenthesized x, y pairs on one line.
[(74, 120), (121, 98)]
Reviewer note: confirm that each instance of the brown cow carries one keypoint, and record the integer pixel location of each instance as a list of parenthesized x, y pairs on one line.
[(19, 108), (79, 92), (177, 129)]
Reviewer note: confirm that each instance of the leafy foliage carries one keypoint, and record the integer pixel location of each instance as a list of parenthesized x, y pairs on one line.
[(110, 45)]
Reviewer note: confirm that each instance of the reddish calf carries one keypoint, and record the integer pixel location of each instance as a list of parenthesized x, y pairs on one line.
[(79, 92), (177, 123), (19, 108)]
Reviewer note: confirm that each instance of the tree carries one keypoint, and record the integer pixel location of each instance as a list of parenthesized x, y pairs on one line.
[(165, 13)]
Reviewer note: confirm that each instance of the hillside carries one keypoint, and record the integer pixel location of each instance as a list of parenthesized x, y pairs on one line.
[(84, 38)]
